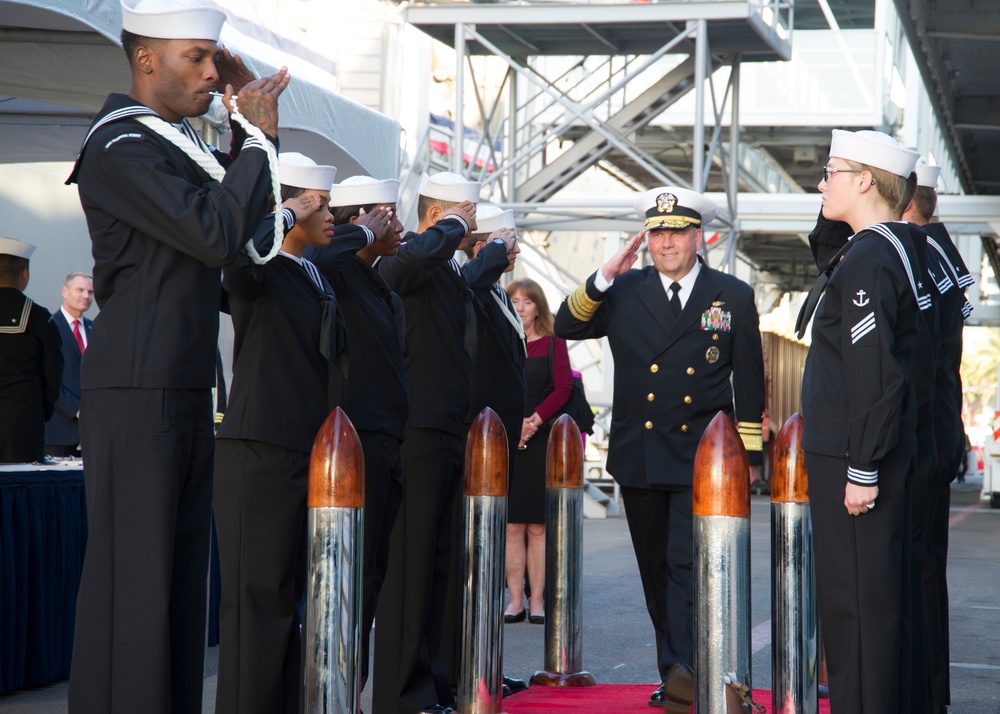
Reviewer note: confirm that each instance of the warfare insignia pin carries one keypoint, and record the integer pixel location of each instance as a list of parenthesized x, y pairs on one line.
[(712, 355), (666, 202), (718, 303)]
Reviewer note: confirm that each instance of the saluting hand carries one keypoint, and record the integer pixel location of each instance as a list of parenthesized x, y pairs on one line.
[(303, 206), (232, 70), (624, 259), (507, 235), (258, 100), (378, 221), (466, 210)]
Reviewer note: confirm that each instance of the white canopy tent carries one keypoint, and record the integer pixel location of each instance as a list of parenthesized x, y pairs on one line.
[(60, 58)]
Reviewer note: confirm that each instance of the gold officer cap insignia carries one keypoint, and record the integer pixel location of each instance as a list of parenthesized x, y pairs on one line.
[(665, 202)]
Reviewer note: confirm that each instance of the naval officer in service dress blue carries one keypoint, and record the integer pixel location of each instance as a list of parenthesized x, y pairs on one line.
[(686, 345)]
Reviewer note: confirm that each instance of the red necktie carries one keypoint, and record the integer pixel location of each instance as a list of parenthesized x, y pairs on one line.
[(78, 336)]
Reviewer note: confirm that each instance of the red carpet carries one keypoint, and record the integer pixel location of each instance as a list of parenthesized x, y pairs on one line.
[(603, 699)]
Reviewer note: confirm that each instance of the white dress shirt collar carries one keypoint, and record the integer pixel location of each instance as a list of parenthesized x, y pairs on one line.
[(687, 283)]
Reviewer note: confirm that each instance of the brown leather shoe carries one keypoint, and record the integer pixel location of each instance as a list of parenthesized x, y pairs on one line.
[(678, 690)]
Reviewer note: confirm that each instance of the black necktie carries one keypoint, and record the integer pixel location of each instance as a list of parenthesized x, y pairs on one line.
[(675, 302), (816, 292)]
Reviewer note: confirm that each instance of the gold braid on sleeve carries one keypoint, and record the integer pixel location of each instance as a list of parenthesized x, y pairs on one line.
[(752, 435), (581, 306)]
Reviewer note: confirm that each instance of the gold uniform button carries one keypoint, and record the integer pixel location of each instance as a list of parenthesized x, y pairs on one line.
[(654, 368), (684, 428), (687, 400), (715, 335), (650, 397), (649, 425), (690, 370)]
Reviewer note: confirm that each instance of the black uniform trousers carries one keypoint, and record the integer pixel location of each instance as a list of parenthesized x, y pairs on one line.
[(661, 524), (936, 576), (383, 494), (924, 467), (862, 579), (149, 489), (260, 515), (409, 674)]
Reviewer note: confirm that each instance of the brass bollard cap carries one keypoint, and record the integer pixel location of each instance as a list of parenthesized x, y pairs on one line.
[(721, 471), (564, 455), (486, 456), (337, 465), (789, 480)]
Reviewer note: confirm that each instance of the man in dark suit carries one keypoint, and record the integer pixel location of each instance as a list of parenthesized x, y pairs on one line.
[(62, 431), (441, 349), (678, 331), (30, 360)]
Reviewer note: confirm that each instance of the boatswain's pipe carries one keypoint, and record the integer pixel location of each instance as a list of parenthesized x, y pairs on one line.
[(564, 559), (331, 672), (480, 671), (794, 650), (722, 564)]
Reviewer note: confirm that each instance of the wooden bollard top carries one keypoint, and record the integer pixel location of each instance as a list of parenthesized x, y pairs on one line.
[(486, 456), (564, 455), (789, 480), (337, 465), (721, 471)]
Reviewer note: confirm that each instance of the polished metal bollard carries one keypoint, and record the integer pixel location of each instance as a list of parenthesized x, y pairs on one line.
[(564, 559), (721, 564), (332, 627), (480, 670), (794, 644)]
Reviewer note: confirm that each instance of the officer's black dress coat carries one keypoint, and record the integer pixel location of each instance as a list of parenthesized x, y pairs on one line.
[(31, 366), (672, 376), (377, 403), (63, 428), (160, 229), (441, 348), (860, 420)]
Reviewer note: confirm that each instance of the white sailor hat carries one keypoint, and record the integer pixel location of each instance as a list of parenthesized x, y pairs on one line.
[(674, 207), (17, 248), (298, 170), (491, 218), (446, 186), (927, 175), (172, 19), (364, 190), (874, 148)]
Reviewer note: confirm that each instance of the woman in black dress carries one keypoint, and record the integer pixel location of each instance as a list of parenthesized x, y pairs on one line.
[(549, 380)]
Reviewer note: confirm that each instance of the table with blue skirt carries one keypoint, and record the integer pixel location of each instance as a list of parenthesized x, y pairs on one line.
[(43, 534)]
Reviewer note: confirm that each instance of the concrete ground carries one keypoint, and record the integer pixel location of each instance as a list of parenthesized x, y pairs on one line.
[(618, 642)]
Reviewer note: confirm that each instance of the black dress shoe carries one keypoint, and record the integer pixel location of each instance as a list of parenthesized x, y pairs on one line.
[(513, 685), (519, 617), (536, 619), (677, 690), (656, 698)]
